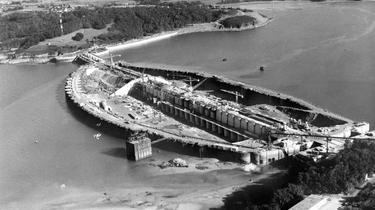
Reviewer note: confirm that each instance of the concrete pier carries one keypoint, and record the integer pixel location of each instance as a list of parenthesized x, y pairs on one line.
[(138, 149)]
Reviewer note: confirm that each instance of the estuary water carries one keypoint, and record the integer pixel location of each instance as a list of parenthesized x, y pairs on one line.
[(324, 54)]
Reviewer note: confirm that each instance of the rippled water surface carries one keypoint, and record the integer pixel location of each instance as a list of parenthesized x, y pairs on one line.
[(323, 54)]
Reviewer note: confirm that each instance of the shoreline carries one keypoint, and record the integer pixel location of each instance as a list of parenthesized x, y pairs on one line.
[(194, 28), (208, 193)]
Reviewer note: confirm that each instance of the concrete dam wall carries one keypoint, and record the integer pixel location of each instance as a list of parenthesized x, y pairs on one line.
[(219, 87)]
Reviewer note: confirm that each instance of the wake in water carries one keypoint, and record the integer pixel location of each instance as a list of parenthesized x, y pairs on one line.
[(252, 74)]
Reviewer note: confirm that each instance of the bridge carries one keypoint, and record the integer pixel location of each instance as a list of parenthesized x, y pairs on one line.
[(85, 58)]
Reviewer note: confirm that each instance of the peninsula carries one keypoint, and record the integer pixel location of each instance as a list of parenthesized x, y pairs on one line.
[(37, 39)]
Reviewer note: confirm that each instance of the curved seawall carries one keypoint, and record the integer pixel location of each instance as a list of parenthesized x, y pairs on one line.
[(73, 91)]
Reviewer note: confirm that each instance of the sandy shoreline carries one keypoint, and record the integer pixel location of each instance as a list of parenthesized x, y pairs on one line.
[(195, 28), (207, 190)]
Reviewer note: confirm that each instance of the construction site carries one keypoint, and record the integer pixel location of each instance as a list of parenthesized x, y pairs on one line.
[(257, 125)]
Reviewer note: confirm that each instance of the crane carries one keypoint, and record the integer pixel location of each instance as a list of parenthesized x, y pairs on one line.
[(188, 79), (191, 80), (236, 93), (111, 56)]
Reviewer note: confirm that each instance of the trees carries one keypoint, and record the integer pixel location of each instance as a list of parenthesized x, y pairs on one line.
[(365, 199), (28, 28), (339, 174), (343, 172), (238, 21), (285, 198), (78, 37), (148, 2)]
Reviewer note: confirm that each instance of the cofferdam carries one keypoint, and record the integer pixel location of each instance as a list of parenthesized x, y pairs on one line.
[(198, 109)]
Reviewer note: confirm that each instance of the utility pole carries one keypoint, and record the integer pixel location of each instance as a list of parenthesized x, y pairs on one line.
[(237, 96), (111, 57), (61, 24), (328, 139), (200, 152)]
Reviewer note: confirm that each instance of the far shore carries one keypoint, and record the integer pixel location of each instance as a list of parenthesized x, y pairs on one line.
[(203, 27), (194, 28)]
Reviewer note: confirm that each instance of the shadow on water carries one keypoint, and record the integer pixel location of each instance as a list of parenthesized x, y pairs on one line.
[(197, 151), (60, 95), (257, 193), (252, 75), (118, 152)]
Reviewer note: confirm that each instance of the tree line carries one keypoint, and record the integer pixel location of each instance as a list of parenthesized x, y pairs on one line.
[(364, 200), (341, 173), (238, 21), (22, 30)]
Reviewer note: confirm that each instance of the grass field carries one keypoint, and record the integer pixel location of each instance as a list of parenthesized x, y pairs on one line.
[(66, 40)]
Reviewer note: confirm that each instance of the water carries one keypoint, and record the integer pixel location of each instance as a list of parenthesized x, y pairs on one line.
[(49, 157), (322, 54), (34, 109)]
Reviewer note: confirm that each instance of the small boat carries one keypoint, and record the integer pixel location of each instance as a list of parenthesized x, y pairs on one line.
[(97, 136), (261, 68), (224, 59)]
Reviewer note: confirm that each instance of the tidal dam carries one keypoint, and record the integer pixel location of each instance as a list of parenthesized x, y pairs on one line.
[(259, 125)]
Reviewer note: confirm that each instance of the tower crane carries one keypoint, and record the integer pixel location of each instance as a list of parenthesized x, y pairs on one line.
[(190, 80), (235, 93), (187, 79)]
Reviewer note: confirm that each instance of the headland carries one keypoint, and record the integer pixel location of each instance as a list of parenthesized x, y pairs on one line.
[(38, 55)]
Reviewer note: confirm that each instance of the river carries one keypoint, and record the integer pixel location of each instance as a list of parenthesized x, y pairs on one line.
[(323, 54)]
